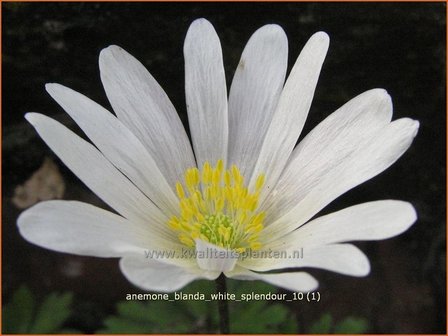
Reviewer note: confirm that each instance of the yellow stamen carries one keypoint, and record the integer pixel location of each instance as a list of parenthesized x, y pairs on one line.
[(217, 207), (259, 183), (180, 190)]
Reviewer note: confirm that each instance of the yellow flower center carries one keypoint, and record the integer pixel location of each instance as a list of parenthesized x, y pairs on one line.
[(216, 207)]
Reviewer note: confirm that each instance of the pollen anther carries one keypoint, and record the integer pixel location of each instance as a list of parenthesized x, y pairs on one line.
[(217, 207)]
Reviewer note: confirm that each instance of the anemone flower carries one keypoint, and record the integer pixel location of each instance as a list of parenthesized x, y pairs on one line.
[(242, 198)]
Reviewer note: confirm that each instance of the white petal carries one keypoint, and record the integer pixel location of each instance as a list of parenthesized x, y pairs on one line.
[(254, 94), (370, 157), (142, 105), (293, 281), (83, 229), (330, 143), (152, 275), (292, 110), (341, 258), (214, 258), (368, 221), (118, 144), (206, 93), (86, 162)]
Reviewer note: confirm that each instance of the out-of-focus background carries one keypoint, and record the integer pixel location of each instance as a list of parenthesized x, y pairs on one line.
[(396, 46)]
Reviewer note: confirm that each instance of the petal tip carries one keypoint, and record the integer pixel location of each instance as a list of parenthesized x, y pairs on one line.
[(273, 29), (49, 85), (111, 48), (381, 92), (31, 117), (200, 30), (272, 34), (411, 212), (51, 88), (201, 22), (377, 94), (109, 52), (322, 37), (412, 126), (365, 268), (416, 127), (365, 271), (362, 267), (313, 283)]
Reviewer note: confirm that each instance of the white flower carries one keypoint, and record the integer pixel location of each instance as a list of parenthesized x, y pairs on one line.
[(245, 192)]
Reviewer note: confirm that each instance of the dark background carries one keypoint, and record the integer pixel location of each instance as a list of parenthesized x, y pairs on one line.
[(396, 46)]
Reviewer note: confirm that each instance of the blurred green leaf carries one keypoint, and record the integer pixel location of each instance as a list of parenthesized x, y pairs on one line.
[(134, 317), (18, 313), (258, 317), (67, 331), (289, 326), (134, 310), (322, 325), (352, 325), (121, 325), (200, 316), (23, 315), (349, 325), (186, 316), (52, 314), (181, 316), (200, 308)]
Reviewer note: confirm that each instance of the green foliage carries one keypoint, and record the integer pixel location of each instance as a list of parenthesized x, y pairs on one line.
[(255, 317), (24, 314), (18, 313), (201, 316), (352, 325), (322, 325), (349, 325), (135, 317), (259, 317)]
